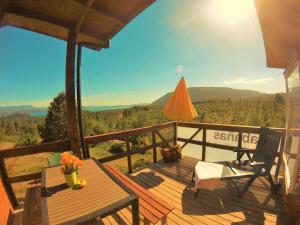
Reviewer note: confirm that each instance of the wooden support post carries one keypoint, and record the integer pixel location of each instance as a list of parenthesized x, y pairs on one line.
[(281, 150), (204, 144), (154, 147), (240, 140), (128, 147), (70, 94), (85, 150), (175, 133)]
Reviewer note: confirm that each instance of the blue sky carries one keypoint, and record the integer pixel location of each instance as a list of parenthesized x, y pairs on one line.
[(210, 43)]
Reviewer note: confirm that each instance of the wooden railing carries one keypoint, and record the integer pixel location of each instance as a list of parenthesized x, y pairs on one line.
[(204, 127), (60, 146), (155, 134)]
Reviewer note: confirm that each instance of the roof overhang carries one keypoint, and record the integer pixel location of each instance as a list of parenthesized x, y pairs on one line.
[(95, 21), (280, 25)]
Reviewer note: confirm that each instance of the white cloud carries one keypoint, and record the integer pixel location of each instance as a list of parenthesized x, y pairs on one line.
[(248, 81), (179, 69)]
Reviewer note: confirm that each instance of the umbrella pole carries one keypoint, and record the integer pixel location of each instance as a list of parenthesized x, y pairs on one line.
[(85, 151)]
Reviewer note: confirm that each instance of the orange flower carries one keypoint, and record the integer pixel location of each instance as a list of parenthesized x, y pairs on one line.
[(70, 163)]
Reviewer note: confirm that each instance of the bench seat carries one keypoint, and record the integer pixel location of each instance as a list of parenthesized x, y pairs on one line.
[(32, 205), (152, 208)]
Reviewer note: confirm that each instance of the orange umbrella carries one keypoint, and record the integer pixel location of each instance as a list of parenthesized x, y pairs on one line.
[(179, 106)]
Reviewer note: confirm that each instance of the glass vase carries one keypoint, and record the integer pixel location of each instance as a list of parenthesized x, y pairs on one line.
[(71, 179)]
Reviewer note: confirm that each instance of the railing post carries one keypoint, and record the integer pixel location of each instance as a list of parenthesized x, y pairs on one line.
[(87, 151), (240, 139), (238, 154), (175, 133), (204, 144), (154, 147), (128, 147), (281, 149)]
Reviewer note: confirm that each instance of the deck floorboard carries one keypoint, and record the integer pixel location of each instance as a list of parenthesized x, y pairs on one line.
[(170, 182), (222, 206)]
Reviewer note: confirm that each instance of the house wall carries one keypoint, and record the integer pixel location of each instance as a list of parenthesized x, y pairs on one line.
[(5, 206)]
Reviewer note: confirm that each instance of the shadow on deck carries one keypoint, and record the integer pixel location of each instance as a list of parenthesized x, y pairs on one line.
[(221, 206)]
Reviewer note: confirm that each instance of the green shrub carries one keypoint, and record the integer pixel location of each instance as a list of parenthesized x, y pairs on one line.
[(139, 163), (25, 141), (116, 149)]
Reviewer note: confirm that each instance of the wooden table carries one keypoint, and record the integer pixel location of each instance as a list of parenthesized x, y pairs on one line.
[(102, 196)]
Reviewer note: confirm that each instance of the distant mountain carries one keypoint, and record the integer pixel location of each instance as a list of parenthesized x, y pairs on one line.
[(22, 109), (19, 107), (199, 94), (42, 111)]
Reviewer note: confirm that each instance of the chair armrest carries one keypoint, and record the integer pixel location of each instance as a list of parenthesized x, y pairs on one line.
[(244, 150), (254, 163)]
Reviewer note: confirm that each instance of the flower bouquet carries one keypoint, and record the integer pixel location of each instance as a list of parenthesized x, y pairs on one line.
[(171, 154), (69, 167)]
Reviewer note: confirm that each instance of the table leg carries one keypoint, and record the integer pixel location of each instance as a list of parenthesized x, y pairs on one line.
[(135, 212)]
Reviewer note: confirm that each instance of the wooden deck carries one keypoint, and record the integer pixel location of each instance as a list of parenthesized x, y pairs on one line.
[(221, 206)]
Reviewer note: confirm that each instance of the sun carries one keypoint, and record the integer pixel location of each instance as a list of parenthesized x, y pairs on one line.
[(231, 12)]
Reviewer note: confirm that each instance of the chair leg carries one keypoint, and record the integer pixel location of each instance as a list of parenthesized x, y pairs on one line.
[(164, 220), (274, 187), (239, 156), (247, 185), (193, 177), (196, 193), (249, 156)]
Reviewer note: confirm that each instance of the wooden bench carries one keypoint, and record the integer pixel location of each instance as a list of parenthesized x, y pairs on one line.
[(32, 205), (152, 208)]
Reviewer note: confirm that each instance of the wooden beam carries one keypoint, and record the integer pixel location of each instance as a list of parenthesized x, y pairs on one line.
[(162, 138), (132, 152), (14, 9), (81, 19), (124, 134), (56, 146), (103, 13), (70, 94), (191, 138), (27, 177), (17, 10), (226, 127)]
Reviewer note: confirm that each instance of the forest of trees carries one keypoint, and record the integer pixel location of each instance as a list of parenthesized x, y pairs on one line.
[(23, 129)]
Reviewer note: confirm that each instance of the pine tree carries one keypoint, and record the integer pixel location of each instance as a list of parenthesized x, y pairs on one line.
[(55, 126)]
